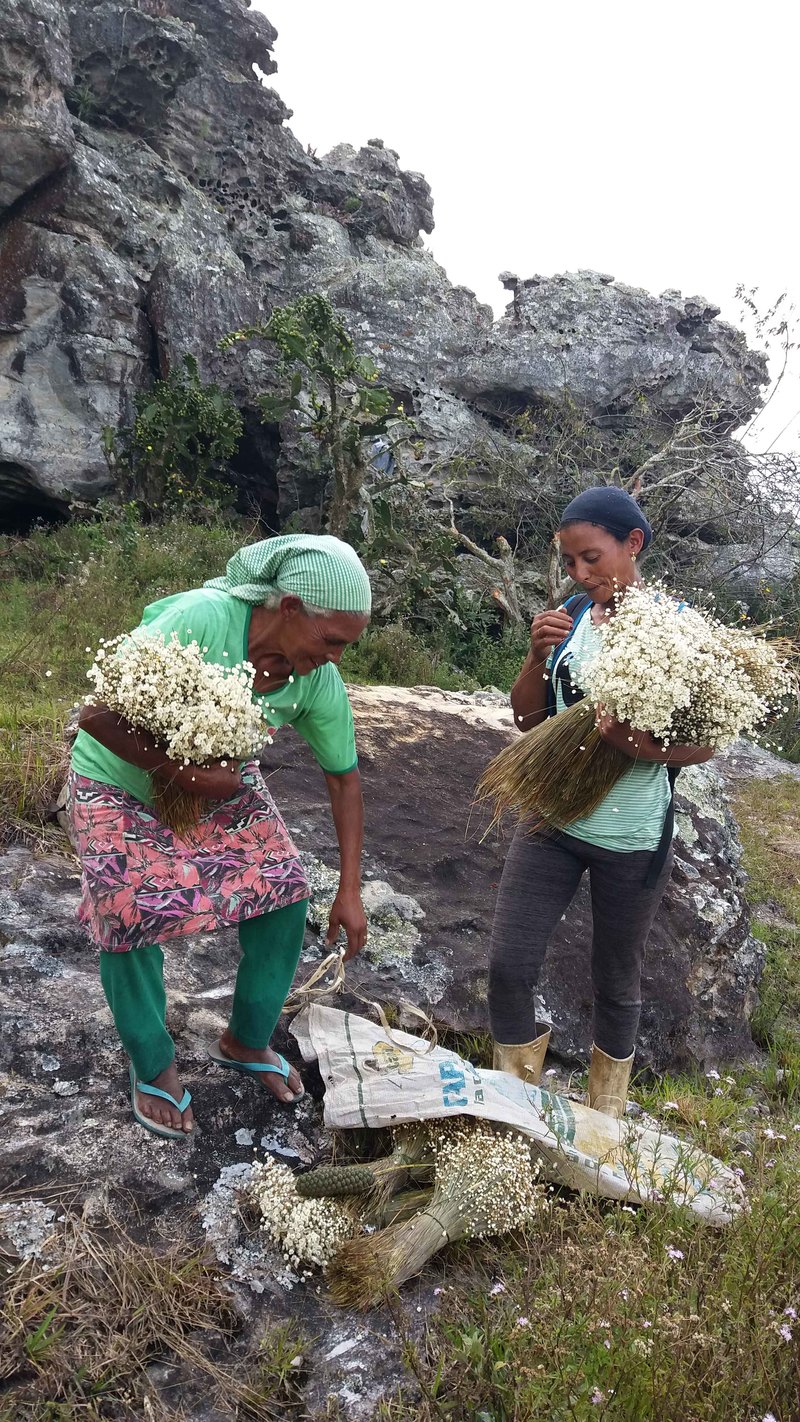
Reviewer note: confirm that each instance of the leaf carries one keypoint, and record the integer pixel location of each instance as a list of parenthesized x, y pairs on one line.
[(274, 409)]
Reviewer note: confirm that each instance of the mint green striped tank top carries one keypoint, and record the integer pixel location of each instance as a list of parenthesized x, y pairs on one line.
[(632, 816)]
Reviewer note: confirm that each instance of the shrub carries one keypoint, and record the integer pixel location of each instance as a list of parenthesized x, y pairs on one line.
[(173, 459)]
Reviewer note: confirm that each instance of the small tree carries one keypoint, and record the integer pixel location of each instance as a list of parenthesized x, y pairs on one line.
[(332, 393), (173, 458)]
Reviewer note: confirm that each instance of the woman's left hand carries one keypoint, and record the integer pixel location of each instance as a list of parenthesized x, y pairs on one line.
[(347, 912)]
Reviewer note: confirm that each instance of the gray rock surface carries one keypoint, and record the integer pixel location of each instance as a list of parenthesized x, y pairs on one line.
[(65, 1120), (174, 203), (585, 331), (35, 69)]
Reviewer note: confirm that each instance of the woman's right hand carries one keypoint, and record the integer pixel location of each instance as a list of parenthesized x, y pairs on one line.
[(217, 781), (548, 629)]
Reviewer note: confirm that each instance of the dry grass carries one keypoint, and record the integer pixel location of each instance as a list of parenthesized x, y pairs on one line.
[(534, 776), (78, 1333), (33, 767)]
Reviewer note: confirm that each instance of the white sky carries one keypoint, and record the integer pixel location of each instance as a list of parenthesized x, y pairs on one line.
[(655, 141)]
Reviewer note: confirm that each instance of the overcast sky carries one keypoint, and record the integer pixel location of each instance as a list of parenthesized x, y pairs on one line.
[(655, 141)]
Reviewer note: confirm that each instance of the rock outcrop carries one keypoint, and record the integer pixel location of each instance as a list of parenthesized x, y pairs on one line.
[(172, 202), (36, 136), (65, 1119)]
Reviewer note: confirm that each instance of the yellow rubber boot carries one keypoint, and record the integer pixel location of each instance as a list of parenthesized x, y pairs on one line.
[(522, 1059), (608, 1082)]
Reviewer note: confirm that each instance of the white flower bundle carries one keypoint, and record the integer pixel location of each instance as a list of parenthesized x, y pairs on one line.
[(484, 1184), (664, 668), (309, 1232), (681, 674), (197, 710)]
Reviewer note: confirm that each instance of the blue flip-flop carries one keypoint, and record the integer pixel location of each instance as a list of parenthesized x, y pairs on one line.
[(145, 1121), (255, 1069)]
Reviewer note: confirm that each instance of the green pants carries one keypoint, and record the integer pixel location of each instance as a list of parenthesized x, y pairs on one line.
[(134, 987)]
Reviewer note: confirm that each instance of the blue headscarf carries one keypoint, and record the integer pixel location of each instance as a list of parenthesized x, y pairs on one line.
[(611, 508)]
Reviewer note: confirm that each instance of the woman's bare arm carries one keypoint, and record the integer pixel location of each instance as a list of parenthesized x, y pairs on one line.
[(640, 745), (211, 782), (529, 692)]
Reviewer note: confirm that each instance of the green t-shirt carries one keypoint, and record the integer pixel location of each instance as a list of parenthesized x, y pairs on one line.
[(316, 705), (632, 816)]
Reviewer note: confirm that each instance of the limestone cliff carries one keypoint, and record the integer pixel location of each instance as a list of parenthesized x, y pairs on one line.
[(153, 197)]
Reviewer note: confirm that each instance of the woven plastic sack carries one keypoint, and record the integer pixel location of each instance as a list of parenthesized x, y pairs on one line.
[(376, 1078)]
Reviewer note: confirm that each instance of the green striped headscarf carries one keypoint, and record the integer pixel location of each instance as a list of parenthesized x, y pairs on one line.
[(316, 567)]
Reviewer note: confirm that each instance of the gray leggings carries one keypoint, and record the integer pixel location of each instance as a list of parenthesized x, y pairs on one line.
[(540, 880)]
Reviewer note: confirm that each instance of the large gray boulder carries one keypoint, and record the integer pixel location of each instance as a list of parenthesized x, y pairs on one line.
[(174, 202), (584, 331)]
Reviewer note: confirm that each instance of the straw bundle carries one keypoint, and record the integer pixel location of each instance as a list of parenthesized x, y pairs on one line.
[(484, 1184), (554, 774)]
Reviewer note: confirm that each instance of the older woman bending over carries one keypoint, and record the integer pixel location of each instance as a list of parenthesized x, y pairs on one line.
[(290, 605)]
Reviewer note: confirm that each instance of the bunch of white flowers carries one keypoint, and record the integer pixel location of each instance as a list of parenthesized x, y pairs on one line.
[(308, 1231), (484, 1184), (198, 711), (681, 674)]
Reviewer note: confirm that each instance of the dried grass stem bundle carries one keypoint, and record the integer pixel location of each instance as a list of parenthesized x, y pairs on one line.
[(554, 774), (176, 807), (484, 1184)]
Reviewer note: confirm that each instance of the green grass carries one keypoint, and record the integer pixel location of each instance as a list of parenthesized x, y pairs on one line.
[(395, 656), (597, 1318), (768, 813)]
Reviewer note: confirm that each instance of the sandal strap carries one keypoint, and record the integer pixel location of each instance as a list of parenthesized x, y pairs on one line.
[(282, 1070), (165, 1096)]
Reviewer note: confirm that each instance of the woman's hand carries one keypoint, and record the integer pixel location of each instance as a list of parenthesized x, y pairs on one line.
[(347, 912), (217, 781), (548, 629)]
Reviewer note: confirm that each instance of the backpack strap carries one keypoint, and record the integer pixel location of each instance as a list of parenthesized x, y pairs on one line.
[(575, 605), (660, 857)]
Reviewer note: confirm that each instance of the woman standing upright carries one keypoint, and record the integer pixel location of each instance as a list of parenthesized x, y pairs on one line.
[(625, 844), (289, 605)]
